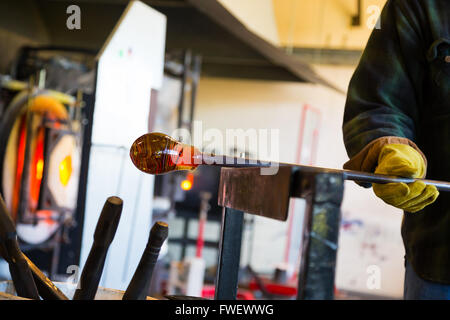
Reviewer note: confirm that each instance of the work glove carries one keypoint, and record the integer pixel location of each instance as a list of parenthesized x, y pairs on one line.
[(404, 161)]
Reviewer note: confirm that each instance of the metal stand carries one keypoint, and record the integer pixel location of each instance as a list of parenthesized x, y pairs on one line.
[(229, 255), (323, 192), (320, 236)]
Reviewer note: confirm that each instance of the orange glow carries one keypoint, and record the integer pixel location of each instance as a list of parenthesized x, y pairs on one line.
[(19, 168), (157, 153), (65, 170), (39, 169), (50, 105), (186, 185), (46, 216)]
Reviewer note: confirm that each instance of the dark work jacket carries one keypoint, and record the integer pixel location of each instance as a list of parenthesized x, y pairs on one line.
[(401, 88)]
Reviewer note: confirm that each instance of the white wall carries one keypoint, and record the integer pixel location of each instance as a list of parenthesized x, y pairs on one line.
[(325, 23), (225, 104)]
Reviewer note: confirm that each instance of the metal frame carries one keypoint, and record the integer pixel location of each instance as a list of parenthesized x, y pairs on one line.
[(229, 254), (323, 192)]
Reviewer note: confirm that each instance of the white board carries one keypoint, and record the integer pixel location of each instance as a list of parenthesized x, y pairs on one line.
[(129, 66)]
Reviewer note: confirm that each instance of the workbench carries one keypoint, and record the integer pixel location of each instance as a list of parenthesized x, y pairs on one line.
[(247, 190)]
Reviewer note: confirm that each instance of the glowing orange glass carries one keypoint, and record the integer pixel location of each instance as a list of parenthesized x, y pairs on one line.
[(157, 153), (65, 170)]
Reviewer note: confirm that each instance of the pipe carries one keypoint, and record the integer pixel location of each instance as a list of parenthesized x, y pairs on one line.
[(157, 153)]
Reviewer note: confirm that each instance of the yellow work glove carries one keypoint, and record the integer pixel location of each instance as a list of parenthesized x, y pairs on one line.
[(404, 161)]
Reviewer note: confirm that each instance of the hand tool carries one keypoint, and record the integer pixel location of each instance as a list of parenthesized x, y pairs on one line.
[(46, 288), (18, 266), (140, 283), (157, 153), (103, 236)]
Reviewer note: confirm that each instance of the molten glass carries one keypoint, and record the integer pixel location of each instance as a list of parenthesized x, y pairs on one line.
[(157, 153)]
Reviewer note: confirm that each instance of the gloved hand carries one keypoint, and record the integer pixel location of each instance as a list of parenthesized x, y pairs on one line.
[(404, 161)]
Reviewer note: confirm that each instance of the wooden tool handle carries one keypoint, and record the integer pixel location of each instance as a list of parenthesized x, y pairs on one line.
[(103, 236), (18, 266), (140, 283)]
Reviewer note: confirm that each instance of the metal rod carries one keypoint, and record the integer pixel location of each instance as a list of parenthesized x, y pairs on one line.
[(195, 158), (9, 249), (186, 64), (195, 78), (377, 178), (359, 176), (25, 179)]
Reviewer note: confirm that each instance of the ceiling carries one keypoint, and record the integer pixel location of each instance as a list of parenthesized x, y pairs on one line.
[(227, 46)]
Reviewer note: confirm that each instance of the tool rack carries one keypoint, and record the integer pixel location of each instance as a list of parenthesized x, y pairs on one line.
[(247, 190)]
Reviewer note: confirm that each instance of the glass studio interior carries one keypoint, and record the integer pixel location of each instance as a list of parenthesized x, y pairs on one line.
[(227, 80)]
